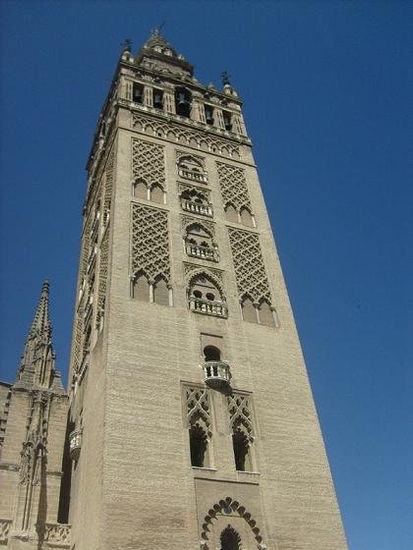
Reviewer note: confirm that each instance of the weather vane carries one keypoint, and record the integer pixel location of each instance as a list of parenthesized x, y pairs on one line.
[(127, 45), (157, 29)]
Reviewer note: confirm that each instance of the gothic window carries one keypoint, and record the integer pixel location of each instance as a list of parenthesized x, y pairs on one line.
[(157, 98), (140, 288), (249, 313), (246, 217), (192, 168), (241, 448), (198, 442), (137, 93), (240, 413), (199, 421), (209, 115), (157, 194), (183, 100), (139, 190), (231, 214), (266, 314), (230, 539), (161, 292), (198, 243), (205, 296)]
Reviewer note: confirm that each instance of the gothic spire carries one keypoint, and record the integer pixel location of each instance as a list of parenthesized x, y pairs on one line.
[(37, 365)]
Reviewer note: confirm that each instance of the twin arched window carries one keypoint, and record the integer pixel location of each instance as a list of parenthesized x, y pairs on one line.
[(155, 193), (243, 215), (261, 313), (156, 292)]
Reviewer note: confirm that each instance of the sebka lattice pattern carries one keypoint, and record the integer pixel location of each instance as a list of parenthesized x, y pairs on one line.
[(233, 185)]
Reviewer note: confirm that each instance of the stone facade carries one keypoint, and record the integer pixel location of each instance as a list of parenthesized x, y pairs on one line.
[(192, 423)]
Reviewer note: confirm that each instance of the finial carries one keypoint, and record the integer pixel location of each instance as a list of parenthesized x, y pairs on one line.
[(156, 31), (126, 45), (225, 78)]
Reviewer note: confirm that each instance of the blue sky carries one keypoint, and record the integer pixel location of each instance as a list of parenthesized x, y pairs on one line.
[(327, 89)]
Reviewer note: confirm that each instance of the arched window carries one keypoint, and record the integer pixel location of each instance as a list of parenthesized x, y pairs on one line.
[(231, 214), (246, 217), (199, 243), (157, 194), (241, 446), (140, 288), (249, 313), (161, 292), (192, 168), (266, 314), (139, 189), (230, 539), (205, 297), (183, 100), (212, 353), (198, 442)]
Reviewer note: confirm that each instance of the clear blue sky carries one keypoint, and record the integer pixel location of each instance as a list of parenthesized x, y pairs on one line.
[(327, 89)]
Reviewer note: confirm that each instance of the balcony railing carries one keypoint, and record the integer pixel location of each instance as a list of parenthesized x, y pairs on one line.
[(75, 443), (57, 534), (202, 252), (5, 525), (217, 374), (208, 307), (197, 208), (194, 176)]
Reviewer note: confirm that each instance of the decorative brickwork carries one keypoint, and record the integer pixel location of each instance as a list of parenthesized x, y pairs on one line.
[(239, 409), (148, 163), (233, 186), (103, 277), (150, 242), (249, 265), (184, 135), (197, 405), (107, 197)]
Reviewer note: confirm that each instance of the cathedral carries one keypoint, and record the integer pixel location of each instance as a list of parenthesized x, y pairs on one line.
[(188, 421)]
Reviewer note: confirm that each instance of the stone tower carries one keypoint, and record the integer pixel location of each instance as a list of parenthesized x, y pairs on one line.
[(192, 423), (33, 426)]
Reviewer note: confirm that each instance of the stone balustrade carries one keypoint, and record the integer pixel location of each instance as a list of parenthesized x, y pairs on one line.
[(197, 208), (208, 307), (57, 534), (217, 374), (202, 252), (194, 176), (75, 443)]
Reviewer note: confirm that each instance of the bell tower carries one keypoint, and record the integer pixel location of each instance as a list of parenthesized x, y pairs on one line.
[(192, 423)]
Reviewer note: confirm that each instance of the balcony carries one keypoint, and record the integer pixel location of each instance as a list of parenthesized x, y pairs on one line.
[(217, 374), (197, 208), (75, 443), (208, 307), (202, 252), (198, 177)]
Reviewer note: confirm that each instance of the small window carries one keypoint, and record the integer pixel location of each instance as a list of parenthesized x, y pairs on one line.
[(227, 120), (140, 289), (198, 442), (139, 190), (210, 296), (266, 314), (137, 96), (212, 353), (241, 447), (158, 98), (161, 293)]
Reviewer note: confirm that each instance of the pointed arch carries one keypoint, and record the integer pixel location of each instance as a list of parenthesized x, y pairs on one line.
[(139, 189), (230, 539), (266, 313), (231, 213), (157, 194), (249, 311), (247, 218), (141, 287), (161, 291), (208, 276)]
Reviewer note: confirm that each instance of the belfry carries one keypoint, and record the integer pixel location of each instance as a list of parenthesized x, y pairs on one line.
[(189, 421)]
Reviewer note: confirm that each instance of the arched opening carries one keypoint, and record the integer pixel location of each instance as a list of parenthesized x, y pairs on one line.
[(246, 217), (183, 100), (249, 313), (205, 296), (198, 442), (140, 289), (199, 243), (241, 446), (157, 194), (230, 539), (266, 314), (212, 353), (192, 168), (231, 214), (161, 293), (139, 189)]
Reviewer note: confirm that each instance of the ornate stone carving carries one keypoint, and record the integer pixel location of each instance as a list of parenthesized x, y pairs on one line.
[(249, 265), (150, 242), (57, 533), (103, 276), (239, 409), (148, 163), (233, 185), (5, 525), (190, 270), (185, 136), (189, 220), (197, 405)]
